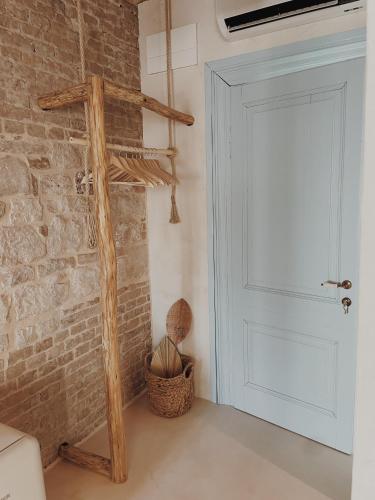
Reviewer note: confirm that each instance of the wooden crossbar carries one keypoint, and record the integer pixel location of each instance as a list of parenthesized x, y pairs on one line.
[(65, 97), (79, 93), (139, 99), (85, 459), (128, 149)]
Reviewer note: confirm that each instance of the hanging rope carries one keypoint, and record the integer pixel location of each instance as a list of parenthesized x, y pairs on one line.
[(174, 218), (91, 224)]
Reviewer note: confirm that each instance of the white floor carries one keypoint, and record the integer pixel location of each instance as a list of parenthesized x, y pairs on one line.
[(213, 452)]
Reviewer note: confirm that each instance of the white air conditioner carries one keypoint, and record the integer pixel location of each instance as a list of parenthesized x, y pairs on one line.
[(245, 18), (21, 474)]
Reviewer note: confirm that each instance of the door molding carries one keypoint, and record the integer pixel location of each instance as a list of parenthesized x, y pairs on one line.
[(219, 77)]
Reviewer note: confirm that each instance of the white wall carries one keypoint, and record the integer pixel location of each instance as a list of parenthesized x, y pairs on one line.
[(178, 253), (364, 436)]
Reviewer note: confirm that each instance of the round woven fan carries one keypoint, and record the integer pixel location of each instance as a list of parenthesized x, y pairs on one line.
[(179, 319)]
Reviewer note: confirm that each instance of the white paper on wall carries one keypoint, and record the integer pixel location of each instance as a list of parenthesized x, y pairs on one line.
[(184, 49)]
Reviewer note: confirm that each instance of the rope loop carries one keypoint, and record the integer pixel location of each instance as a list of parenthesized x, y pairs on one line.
[(92, 241), (174, 218)]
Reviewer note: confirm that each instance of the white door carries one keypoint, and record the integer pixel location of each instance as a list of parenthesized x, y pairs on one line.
[(295, 169)]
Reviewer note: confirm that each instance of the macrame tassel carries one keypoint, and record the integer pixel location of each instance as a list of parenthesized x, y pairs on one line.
[(175, 218), (92, 241)]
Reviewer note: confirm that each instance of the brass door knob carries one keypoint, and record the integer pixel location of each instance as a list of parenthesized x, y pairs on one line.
[(346, 284)]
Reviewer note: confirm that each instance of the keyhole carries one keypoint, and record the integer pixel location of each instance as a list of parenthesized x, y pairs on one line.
[(346, 302)]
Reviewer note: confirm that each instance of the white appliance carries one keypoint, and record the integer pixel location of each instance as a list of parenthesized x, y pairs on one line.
[(21, 473), (239, 19)]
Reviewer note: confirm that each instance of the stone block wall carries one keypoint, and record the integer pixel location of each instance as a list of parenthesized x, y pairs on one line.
[(51, 374)]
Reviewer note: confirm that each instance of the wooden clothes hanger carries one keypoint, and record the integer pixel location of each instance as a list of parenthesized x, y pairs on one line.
[(138, 171)]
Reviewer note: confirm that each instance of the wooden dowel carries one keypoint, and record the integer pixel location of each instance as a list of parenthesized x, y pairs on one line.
[(108, 280), (85, 459), (135, 97), (78, 93), (128, 149)]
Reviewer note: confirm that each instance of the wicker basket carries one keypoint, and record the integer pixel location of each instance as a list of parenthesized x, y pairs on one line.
[(171, 397)]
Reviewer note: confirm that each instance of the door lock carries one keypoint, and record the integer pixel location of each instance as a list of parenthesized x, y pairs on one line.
[(346, 303)]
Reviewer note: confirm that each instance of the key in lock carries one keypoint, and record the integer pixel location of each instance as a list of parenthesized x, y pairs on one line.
[(346, 303)]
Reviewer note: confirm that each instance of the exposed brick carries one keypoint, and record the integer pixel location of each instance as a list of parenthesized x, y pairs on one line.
[(82, 349), (55, 351), (78, 328), (36, 361), (56, 133), (65, 358), (51, 365), (88, 335), (27, 378), (88, 258), (36, 131), (13, 127), (16, 370), (39, 163), (43, 345), (93, 321), (97, 341), (47, 368), (61, 336), (16, 356), (72, 342)]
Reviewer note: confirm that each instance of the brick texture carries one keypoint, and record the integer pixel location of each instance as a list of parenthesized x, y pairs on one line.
[(51, 372)]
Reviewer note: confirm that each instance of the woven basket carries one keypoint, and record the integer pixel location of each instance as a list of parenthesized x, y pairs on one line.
[(171, 397)]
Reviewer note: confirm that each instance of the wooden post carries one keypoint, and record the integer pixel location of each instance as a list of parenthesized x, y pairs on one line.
[(108, 280)]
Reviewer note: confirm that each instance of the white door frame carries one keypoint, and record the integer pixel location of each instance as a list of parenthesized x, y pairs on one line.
[(220, 76)]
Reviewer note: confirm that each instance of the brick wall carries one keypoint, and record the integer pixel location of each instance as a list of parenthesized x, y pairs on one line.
[(51, 378)]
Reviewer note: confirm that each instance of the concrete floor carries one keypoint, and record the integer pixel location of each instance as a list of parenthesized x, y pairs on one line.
[(213, 452)]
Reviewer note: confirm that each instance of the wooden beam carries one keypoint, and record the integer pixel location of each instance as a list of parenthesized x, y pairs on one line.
[(108, 280), (78, 93), (135, 97), (85, 459)]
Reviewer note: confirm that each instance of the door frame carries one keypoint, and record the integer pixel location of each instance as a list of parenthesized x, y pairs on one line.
[(220, 76)]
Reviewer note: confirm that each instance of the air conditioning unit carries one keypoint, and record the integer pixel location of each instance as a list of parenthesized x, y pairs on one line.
[(245, 18)]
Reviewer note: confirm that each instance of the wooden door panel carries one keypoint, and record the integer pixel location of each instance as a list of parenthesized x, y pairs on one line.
[(291, 365), (295, 167), (293, 191)]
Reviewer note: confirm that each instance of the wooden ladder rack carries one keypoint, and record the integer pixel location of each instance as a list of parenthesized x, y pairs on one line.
[(94, 91)]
